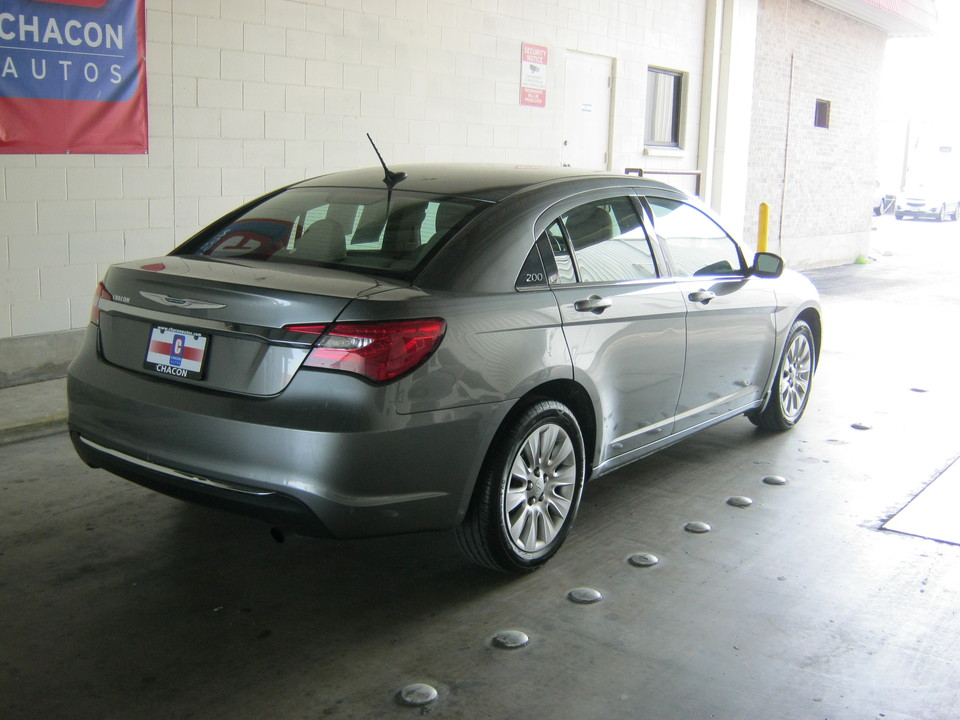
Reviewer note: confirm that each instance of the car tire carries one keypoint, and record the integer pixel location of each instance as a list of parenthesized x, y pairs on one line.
[(528, 491), (956, 212), (942, 215), (898, 215), (794, 380)]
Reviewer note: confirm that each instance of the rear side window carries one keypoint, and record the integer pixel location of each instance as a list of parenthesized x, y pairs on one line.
[(697, 245), (608, 241), (348, 228)]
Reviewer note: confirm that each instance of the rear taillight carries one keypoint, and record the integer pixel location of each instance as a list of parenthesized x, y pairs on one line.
[(378, 351), (101, 294)]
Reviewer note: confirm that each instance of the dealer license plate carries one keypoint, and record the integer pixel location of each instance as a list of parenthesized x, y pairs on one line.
[(177, 353)]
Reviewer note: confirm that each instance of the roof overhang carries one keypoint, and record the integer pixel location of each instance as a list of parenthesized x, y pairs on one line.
[(896, 17)]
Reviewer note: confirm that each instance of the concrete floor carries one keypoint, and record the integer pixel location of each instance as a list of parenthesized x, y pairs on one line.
[(120, 603)]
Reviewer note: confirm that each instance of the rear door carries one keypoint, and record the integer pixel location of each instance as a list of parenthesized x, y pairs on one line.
[(623, 322), (730, 325)]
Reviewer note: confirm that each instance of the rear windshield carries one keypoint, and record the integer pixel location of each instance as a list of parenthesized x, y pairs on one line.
[(348, 228)]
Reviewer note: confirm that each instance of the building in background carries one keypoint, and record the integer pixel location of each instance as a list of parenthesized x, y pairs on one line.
[(748, 100), (815, 121)]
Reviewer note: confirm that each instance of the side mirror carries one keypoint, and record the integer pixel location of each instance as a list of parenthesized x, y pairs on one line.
[(767, 265)]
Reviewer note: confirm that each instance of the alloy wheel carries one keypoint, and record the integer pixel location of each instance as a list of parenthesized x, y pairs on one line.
[(540, 490), (795, 376)]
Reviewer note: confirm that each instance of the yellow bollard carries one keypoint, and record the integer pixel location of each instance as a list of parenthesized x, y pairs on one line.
[(763, 227)]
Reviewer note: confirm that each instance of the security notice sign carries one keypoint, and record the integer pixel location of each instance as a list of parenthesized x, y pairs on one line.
[(533, 75), (72, 76)]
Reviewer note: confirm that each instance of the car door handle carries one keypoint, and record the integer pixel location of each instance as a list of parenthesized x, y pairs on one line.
[(702, 296), (594, 304)]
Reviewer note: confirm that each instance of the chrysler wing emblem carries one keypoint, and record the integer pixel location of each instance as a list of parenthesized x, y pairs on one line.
[(181, 302)]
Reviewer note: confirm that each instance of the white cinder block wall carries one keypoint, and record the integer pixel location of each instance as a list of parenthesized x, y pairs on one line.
[(248, 95)]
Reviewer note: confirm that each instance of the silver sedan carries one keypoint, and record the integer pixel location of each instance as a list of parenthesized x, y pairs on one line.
[(445, 348)]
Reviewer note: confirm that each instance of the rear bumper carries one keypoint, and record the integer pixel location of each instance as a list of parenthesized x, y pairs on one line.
[(329, 456), (275, 508)]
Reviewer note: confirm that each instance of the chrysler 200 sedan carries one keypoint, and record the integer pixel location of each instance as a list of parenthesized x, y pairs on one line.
[(446, 348)]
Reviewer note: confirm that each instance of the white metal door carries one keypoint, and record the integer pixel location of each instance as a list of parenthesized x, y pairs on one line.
[(586, 112)]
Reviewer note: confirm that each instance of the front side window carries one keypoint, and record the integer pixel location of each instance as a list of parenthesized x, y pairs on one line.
[(697, 245), (349, 228), (664, 106)]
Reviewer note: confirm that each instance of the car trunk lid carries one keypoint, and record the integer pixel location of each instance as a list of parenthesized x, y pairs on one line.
[(221, 325)]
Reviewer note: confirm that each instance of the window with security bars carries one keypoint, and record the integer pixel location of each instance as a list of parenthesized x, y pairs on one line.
[(821, 118), (664, 105)]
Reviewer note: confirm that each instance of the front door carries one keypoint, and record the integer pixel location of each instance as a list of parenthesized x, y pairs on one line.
[(730, 325)]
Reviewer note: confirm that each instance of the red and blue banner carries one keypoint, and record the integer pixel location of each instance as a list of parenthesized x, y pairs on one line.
[(73, 76)]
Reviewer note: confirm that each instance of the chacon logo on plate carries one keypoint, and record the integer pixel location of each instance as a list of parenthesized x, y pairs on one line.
[(69, 49)]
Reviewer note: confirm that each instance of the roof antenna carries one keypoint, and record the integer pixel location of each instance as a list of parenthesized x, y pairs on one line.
[(390, 179)]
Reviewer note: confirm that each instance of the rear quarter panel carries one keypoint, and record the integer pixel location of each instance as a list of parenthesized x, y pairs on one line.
[(496, 346)]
